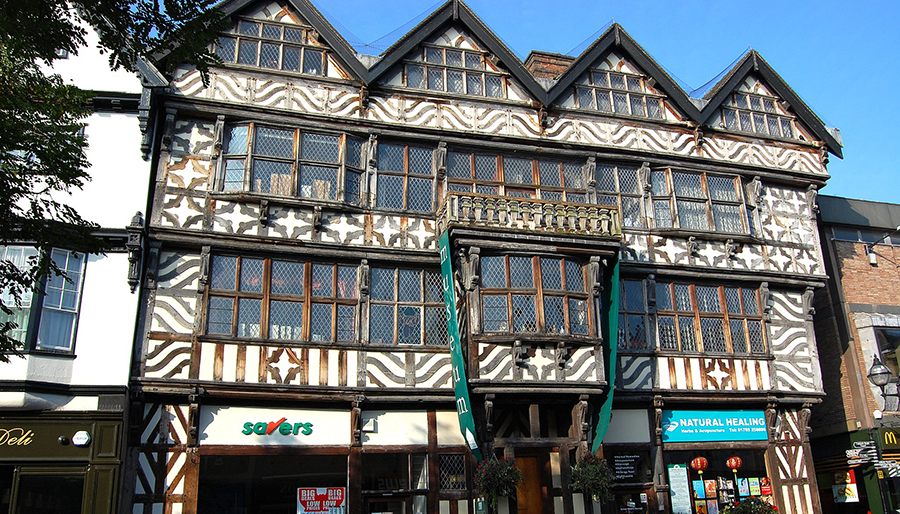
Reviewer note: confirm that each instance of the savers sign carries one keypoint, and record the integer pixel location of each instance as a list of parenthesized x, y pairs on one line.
[(322, 500)]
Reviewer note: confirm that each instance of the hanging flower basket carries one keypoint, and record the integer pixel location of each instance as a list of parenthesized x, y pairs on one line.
[(592, 476), (496, 478), (750, 505)]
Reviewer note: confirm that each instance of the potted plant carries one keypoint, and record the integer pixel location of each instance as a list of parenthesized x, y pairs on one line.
[(496, 478), (752, 505), (592, 476)]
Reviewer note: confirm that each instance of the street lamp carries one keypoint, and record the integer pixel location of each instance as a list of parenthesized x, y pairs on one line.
[(880, 375)]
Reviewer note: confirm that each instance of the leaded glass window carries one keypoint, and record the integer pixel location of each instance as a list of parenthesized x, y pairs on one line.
[(291, 162), (516, 177), (406, 307), (758, 114), (405, 178), (454, 70), (619, 186), (534, 295), (274, 46), (709, 319), (698, 202), (620, 93), (282, 300)]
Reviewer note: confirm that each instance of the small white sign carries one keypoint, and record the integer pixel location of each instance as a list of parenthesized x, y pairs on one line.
[(81, 438)]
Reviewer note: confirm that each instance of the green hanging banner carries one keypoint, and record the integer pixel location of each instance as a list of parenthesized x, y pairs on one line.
[(460, 385), (609, 300)]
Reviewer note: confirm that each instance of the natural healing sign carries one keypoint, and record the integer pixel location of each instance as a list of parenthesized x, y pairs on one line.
[(685, 426)]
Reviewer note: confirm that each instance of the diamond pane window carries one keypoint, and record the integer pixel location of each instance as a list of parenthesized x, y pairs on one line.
[(264, 45), (405, 178), (759, 115), (629, 95), (452, 472), (405, 308), (439, 68), (512, 289), (729, 330), (273, 299)]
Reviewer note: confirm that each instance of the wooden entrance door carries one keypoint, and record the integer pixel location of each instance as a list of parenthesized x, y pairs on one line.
[(529, 491)]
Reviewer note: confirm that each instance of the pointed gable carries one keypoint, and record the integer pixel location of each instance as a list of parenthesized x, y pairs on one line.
[(753, 99), (616, 76), (289, 37), (453, 52)]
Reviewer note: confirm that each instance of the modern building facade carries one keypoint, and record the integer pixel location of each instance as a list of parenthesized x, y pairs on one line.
[(857, 319), (63, 402), (365, 273)]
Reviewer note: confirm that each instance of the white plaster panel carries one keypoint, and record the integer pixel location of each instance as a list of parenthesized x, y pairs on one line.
[(448, 433), (394, 427)]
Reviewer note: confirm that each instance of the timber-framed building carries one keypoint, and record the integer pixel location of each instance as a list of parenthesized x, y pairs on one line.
[(350, 257)]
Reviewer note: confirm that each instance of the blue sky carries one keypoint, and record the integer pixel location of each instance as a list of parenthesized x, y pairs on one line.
[(835, 55)]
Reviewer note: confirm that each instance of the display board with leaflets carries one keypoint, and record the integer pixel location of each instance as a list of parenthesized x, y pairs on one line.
[(707, 481)]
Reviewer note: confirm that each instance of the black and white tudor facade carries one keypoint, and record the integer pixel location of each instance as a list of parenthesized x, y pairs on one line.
[(628, 262)]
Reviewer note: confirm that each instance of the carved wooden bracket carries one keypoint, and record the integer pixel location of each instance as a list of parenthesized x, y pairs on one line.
[(356, 420), (194, 416), (692, 245), (562, 354), (263, 216), (767, 301), (364, 97), (317, 218), (204, 268), (808, 298), (519, 353), (365, 279), (812, 192), (732, 248), (489, 416), (135, 247), (754, 192), (644, 178), (152, 264)]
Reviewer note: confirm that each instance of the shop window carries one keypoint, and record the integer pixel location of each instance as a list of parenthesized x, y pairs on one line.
[(274, 46), (44, 493), (283, 300), (395, 482), (405, 178), (618, 186), (709, 319), (516, 177), (453, 472), (719, 485), (52, 327), (256, 484), (534, 295), (454, 70), (620, 93), (407, 307), (291, 162)]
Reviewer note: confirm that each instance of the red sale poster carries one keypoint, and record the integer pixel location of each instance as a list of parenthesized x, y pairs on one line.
[(321, 500)]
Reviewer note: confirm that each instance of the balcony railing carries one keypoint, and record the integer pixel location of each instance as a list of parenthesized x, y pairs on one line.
[(526, 214)]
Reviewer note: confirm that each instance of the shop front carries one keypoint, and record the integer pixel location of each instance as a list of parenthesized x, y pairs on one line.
[(261, 460), (59, 465), (715, 458)]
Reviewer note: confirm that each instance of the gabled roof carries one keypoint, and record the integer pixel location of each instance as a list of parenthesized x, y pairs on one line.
[(339, 46), (754, 63), (616, 37), (457, 11)]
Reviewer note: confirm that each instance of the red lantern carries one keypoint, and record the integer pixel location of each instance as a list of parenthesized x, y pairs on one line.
[(734, 463), (699, 464)]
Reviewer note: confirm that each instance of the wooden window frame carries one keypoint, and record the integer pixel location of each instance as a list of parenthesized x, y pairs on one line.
[(594, 87), (539, 293), (737, 108), (423, 303), (342, 168), (725, 314), (259, 39), (500, 186), (621, 197), (266, 297), (675, 201), (443, 68), (406, 175)]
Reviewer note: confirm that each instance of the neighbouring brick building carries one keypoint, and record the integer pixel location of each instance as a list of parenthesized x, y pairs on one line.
[(857, 318)]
